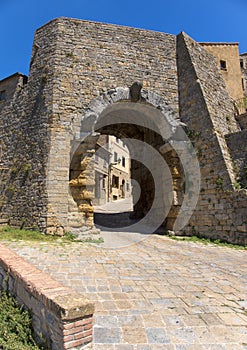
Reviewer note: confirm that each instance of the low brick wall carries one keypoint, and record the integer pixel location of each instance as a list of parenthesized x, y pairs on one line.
[(61, 318)]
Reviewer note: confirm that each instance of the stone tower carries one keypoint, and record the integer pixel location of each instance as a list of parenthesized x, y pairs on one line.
[(165, 92)]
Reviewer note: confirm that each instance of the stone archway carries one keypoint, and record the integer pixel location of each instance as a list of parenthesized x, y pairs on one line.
[(134, 114)]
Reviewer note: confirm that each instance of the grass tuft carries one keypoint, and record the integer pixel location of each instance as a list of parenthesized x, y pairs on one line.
[(206, 241), (8, 233)]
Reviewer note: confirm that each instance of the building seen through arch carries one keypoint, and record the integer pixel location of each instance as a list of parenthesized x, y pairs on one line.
[(112, 170)]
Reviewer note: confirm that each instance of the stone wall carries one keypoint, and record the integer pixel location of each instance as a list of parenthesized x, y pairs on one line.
[(61, 318), (25, 146), (243, 57), (205, 107), (90, 59), (237, 143), (10, 85), (84, 75)]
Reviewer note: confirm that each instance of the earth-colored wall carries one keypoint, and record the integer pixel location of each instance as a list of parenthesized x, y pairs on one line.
[(232, 74)]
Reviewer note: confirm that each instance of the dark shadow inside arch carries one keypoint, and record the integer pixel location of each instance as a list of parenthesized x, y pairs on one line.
[(147, 171), (123, 214)]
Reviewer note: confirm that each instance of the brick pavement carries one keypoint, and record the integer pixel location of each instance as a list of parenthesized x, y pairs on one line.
[(155, 294)]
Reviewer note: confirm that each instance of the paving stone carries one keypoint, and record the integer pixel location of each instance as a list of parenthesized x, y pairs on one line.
[(134, 335), (153, 320), (191, 311), (211, 319), (184, 335), (157, 335), (124, 347), (233, 320), (130, 320), (106, 321), (105, 335)]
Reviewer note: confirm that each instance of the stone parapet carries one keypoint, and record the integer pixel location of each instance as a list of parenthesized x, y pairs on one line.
[(61, 318)]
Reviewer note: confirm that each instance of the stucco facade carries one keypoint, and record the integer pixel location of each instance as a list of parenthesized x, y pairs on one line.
[(228, 60)]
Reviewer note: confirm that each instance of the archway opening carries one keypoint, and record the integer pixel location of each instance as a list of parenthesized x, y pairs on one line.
[(147, 180)]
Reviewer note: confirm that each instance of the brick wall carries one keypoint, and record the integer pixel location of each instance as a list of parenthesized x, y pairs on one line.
[(61, 318)]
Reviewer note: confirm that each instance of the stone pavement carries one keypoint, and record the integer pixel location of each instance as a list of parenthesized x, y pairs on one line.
[(113, 219), (155, 294)]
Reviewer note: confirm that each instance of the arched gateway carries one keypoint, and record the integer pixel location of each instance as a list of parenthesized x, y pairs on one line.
[(154, 135), (163, 94)]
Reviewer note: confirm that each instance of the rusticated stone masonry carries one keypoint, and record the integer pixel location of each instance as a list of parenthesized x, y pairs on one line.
[(88, 79)]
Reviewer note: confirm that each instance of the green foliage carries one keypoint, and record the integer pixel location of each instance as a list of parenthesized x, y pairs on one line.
[(8, 233), (26, 168), (69, 54), (219, 182), (11, 188), (206, 241), (15, 326), (237, 186), (44, 78), (12, 234), (193, 135), (92, 240), (241, 104)]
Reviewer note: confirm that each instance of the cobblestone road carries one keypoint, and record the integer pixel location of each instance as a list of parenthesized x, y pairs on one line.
[(155, 294)]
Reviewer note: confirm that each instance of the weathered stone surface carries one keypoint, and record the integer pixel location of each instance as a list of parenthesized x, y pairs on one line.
[(79, 87)]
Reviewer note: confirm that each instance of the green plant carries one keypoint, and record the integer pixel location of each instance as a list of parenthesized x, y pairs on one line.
[(8, 233), (44, 78), (69, 54), (92, 240), (15, 326), (219, 182), (69, 236), (14, 170), (26, 168), (237, 186), (199, 152), (200, 239), (192, 134)]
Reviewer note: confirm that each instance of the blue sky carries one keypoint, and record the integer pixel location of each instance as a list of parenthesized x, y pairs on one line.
[(203, 20)]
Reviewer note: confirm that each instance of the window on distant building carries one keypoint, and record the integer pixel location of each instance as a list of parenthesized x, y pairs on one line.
[(242, 63), (123, 161), (115, 157), (115, 181), (2, 95), (223, 65)]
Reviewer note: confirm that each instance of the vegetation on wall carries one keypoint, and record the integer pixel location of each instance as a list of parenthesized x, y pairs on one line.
[(15, 326)]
